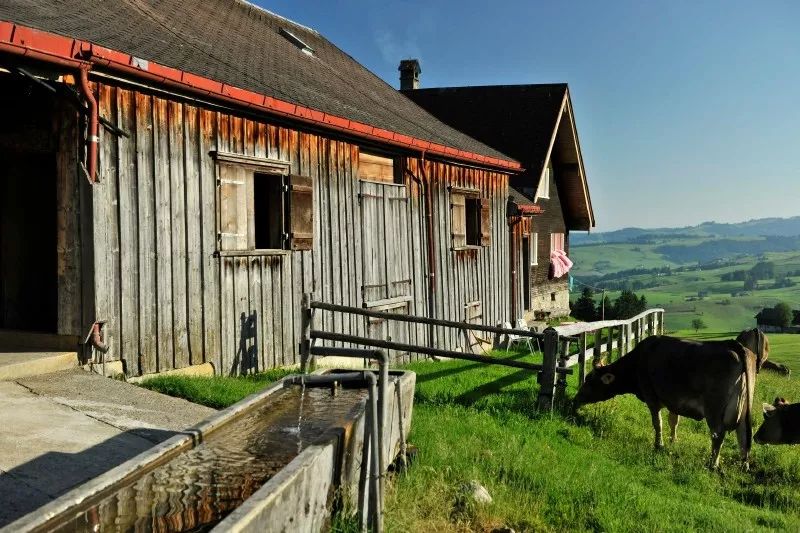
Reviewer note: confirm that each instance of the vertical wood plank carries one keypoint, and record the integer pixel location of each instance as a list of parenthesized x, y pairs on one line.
[(177, 214), (194, 238), (210, 265), (128, 232), (146, 233), (163, 208)]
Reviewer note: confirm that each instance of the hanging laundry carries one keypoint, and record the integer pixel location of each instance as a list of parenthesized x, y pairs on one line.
[(559, 264)]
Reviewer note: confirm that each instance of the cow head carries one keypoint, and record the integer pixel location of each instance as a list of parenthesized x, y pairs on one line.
[(601, 384), (771, 431), (755, 341)]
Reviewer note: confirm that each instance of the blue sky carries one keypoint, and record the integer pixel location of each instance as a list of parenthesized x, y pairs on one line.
[(687, 111)]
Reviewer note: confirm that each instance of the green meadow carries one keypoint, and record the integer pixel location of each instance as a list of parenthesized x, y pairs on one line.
[(594, 470), (680, 292)]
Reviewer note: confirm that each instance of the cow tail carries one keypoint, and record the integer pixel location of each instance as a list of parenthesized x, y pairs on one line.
[(748, 399)]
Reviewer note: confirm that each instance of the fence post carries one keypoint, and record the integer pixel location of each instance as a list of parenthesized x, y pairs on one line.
[(650, 325), (306, 320), (582, 359), (620, 340), (661, 322), (561, 378), (637, 332), (598, 347), (547, 377)]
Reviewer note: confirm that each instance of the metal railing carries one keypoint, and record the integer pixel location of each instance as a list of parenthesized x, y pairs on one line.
[(556, 362)]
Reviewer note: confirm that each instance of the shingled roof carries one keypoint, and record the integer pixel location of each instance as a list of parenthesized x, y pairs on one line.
[(240, 44), (527, 122)]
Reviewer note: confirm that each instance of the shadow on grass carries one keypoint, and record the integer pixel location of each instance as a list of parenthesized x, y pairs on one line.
[(449, 372)]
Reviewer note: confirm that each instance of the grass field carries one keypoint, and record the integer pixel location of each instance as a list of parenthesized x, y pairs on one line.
[(592, 471), (678, 292)]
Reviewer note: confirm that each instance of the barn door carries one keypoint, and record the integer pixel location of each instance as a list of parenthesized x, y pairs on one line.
[(386, 259)]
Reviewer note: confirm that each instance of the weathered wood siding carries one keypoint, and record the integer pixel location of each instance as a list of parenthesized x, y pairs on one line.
[(172, 301), (464, 277)]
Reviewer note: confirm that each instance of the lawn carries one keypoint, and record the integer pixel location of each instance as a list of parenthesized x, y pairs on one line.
[(592, 471), (217, 391)]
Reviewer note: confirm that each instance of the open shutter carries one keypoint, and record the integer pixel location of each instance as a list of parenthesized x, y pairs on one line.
[(458, 219), (233, 207), (486, 222), (300, 215)]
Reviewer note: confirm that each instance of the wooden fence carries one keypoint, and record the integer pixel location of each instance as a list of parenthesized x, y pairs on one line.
[(557, 355), (604, 336)]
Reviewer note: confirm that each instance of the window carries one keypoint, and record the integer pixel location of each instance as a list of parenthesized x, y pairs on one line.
[(556, 241), (262, 206), (470, 217), (534, 242), (544, 185), (374, 167)]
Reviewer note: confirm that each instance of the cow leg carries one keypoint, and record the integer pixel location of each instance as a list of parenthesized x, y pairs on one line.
[(673, 427), (655, 413), (744, 434), (716, 443)]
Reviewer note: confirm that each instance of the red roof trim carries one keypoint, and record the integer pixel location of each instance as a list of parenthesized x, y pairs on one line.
[(47, 46), (530, 209)]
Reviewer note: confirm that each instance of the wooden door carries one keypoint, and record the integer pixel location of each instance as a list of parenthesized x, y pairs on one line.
[(386, 256)]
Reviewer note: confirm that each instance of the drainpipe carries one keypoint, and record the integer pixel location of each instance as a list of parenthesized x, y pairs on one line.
[(92, 137), (383, 384), (375, 512), (427, 222), (431, 245), (512, 222)]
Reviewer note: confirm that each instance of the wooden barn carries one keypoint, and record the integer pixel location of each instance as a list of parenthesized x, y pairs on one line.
[(178, 173), (535, 125)]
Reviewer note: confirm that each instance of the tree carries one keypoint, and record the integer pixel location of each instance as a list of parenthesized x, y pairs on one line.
[(750, 284), (628, 305), (583, 308), (783, 315), (698, 324)]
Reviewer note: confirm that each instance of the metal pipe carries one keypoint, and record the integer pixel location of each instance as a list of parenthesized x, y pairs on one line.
[(424, 320), (383, 385), (389, 345), (427, 221), (92, 136)]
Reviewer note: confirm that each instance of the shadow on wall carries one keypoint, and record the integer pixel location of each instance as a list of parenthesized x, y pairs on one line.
[(246, 360), (37, 482)]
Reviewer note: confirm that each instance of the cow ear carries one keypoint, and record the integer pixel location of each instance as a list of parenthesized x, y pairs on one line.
[(768, 409), (607, 378)]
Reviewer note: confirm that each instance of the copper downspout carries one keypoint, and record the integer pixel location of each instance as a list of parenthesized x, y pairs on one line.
[(92, 137), (425, 185), (513, 221)]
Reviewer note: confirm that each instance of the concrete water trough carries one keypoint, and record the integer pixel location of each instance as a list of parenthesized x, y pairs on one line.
[(280, 460)]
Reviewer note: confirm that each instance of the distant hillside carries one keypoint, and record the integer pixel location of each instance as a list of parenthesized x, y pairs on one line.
[(763, 227)]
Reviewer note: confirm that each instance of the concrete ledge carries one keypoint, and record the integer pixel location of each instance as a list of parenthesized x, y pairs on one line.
[(16, 365), (295, 499), (203, 370)]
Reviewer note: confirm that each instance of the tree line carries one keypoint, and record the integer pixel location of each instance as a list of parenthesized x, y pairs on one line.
[(627, 305)]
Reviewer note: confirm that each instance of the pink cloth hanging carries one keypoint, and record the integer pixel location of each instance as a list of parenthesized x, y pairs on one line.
[(561, 264)]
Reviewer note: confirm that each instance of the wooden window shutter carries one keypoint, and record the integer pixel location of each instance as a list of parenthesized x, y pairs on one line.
[(233, 230), (486, 222), (458, 220), (300, 215)]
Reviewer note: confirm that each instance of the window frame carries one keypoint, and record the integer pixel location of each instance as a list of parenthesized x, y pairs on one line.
[(534, 244), (397, 167), (474, 201), (257, 168), (543, 190)]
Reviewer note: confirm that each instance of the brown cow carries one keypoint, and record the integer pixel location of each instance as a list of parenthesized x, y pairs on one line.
[(781, 423), (712, 380)]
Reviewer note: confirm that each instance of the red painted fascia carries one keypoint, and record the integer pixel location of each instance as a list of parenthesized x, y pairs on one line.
[(66, 51), (530, 209)]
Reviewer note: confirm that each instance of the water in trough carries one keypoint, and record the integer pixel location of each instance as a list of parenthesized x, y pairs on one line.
[(195, 490)]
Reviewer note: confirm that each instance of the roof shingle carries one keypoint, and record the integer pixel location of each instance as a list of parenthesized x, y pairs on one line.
[(240, 44)]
